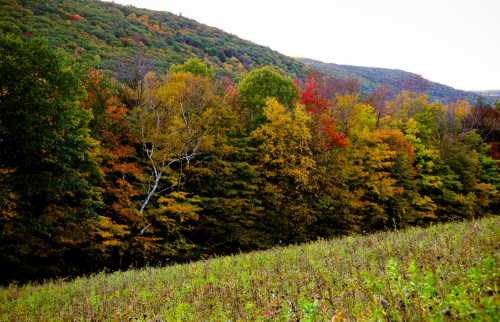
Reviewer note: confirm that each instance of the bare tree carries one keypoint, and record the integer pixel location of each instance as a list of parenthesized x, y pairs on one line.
[(377, 99)]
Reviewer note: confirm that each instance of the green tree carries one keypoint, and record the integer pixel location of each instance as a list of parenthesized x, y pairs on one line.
[(263, 83), (49, 154), (228, 182)]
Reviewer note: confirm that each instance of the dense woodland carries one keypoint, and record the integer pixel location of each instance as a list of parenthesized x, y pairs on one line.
[(98, 172)]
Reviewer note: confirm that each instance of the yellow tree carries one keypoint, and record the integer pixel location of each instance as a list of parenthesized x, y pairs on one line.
[(173, 120), (285, 160), (382, 174), (352, 116)]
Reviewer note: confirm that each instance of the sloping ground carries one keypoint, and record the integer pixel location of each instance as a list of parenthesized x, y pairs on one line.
[(444, 272), (107, 33), (396, 80)]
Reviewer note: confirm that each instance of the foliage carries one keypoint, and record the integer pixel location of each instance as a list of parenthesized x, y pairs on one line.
[(195, 67), (48, 160), (109, 35), (112, 234), (261, 84), (314, 97), (173, 120), (285, 159)]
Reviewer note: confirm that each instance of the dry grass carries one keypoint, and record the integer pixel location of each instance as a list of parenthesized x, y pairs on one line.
[(442, 273)]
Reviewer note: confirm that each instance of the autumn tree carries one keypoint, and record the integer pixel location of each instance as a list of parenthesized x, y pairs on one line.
[(283, 143), (113, 233), (353, 117), (449, 156), (97, 172), (378, 99), (173, 123), (324, 128), (344, 86)]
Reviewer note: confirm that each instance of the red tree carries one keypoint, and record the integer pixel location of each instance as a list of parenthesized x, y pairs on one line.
[(75, 18), (313, 98)]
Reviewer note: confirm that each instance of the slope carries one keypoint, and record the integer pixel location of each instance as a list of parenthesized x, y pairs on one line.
[(108, 34), (442, 273)]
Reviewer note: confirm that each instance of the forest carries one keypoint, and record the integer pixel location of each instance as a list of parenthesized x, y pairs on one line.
[(99, 171)]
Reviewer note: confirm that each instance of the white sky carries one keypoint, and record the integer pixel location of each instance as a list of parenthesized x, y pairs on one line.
[(455, 42)]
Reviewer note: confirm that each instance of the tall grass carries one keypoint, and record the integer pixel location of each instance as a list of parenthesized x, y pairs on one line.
[(444, 273)]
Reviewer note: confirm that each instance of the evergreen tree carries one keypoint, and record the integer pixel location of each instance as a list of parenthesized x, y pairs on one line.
[(47, 157)]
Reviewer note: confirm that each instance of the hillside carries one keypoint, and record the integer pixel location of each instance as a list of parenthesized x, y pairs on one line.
[(396, 80), (444, 272), (111, 35)]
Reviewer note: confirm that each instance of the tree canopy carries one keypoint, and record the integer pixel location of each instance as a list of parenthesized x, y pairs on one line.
[(47, 156), (263, 83)]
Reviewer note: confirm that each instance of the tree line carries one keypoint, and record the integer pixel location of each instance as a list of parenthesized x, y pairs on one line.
[(104, 173)]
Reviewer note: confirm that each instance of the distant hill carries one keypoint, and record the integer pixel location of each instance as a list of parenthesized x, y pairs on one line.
[(109, 34), (494, 94), (396, 80)]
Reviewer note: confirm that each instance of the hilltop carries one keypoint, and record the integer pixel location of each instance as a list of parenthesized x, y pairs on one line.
[(110, 35), (444, 272)]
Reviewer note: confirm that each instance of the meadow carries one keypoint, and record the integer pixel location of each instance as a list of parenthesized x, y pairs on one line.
[(440, 273)]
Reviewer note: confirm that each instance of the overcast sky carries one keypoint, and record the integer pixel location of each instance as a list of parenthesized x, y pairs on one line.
[(455, 42)]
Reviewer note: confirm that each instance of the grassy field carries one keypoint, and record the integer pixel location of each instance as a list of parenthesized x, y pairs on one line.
[(443, 273)]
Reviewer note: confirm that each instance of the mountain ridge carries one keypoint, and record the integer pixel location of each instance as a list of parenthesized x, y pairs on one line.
[(493, 93), (107, 34), (395, 79)]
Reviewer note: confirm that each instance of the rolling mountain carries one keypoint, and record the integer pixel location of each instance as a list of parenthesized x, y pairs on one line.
[(396, 80), (109, 35), (494, 94)]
